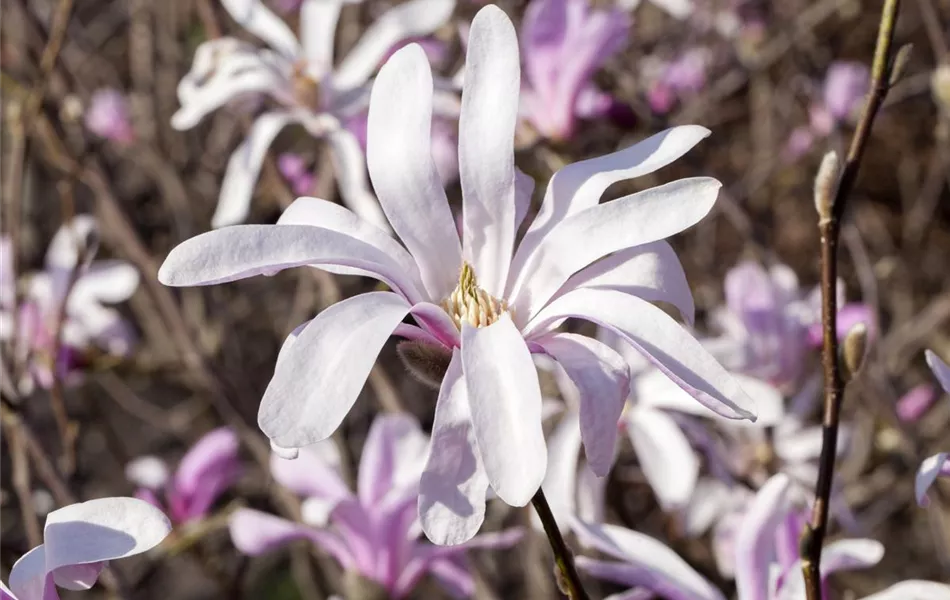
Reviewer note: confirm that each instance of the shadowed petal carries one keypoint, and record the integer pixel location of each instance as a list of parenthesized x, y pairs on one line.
[(665, 454), (254, 532), (560, 480), (392, 459), (755, 537), (927, 474), (941, 370), (259, 20), (314, 474), (349, 164), (29, 578)]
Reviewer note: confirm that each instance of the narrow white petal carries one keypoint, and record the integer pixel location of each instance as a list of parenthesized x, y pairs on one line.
[(349, 164), (404, 175), (318, 20), (927, 474), (560, 481), (321, 374), (454, 484), (28, 575), (505, 400), (244, 167), (755, 537), (941, 370), (392, 460), (415, 18), (913, 590), (106, 281), (486, 147), (665, 454), (259, 20)]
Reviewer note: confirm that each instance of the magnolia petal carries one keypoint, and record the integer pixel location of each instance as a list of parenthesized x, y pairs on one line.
[(78, 577), (215, 451), (28, 577), (254, 532), (109, 281), (64, 249), (318, 20), (505, 400), (404, 175), (220, 90), (392, 459), (254, 16), (316, 383), (244, 167), (665, 454), (329, 215), (661, 339), (454, 484), (603, 379), (524, 190), (486, 147), (149, 472), (580, 185), (560, 480), (315, 473), (913, 590), (600, 230), (844, 555), (415, 18), (652, 564), (927, 474), (242, 251), (941, 370), (349, 165), (651, 271), (623, 574), (5, 593), (755, 537)]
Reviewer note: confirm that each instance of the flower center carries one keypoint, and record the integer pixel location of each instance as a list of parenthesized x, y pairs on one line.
[(470, 304), (306, 89)]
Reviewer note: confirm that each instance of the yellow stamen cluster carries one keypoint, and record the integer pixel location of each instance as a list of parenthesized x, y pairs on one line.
[(306, 89), (470, 304)]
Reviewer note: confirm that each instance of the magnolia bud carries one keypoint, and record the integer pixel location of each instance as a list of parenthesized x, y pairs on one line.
[(426, 362), (855, 347), (940, 87), (826, 183)]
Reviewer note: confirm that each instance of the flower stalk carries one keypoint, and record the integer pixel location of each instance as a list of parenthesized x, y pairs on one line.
[(563, 557), (883, 74)]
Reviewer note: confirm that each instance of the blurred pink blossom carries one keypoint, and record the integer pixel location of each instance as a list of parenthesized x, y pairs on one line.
[(564, 42), (912, 405), (108, 116), (294, 169), (679, 78), (203, 474), (937, 465), (373, 532)]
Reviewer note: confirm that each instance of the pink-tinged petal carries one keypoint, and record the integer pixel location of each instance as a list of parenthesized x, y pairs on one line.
[(244, 167), (914, 404), (329, 215), (254, 16), (254, 532), (505, 400), (846, 84), (486, 147), (927, 474), (659, 338), (524, 189), (435, 321), (619, 573), (580, 185), (590, 495), (404, 175), (652, 564), (596, 232), (941, 370), (29, 578), (665, 454), (243, 251), (149, 472), (349, 164), (63, 250), (210, 467), (544, 30), (711, 499), (755, 537), (453, 575), (651, 271), (603, 379), (453, 486), (415, 18), (318, 381), (108, 281), (560, 480), (318, 20), (108, 116), (5, 593), (913, 589), (78, 577), (392, 459), (843, 555), (315, 473)]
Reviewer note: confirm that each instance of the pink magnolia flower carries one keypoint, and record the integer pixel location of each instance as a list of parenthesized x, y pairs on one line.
[(374, 532), (87, 324), (480, 304), (204, 473), (300, 77), (564, 42), (108, 116), (674, 80), (294, 169), (914, 404), (939, 464), (79, 540)]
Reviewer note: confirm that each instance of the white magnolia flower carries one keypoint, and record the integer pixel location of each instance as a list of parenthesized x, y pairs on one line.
[(300, 77), (482, 303), (78, 542)]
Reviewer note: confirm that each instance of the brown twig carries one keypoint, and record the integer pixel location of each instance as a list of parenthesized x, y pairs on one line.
[(22, 486), (831, 210), (569, 580)]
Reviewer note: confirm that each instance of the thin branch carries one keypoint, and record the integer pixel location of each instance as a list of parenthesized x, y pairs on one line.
[(569, 581), (22, 486), (831, 209)]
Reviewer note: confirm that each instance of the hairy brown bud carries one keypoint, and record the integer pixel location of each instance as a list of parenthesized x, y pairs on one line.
[(426, 362), (826, 182), (855, 348), (940, 87)]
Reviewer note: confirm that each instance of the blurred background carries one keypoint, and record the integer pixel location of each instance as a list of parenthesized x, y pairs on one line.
[(89, 88)]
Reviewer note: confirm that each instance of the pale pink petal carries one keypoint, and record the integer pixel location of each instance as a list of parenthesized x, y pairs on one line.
[(243, 251), (404, 175), (505, 400), (603, 379), (662, 340), (78, 577), (29, 578), (665, 454), (486, 147), (244, 167), (560, 480), (254, 532), (314, 474), (415, 18), (254, 16), (600, 230), (349, 165), (318, 381), (913, 590), (210, 467), (941, 370), (454, 484), (927, 474), (590, 495), (393, 459), (524, 189), (755, 537)]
